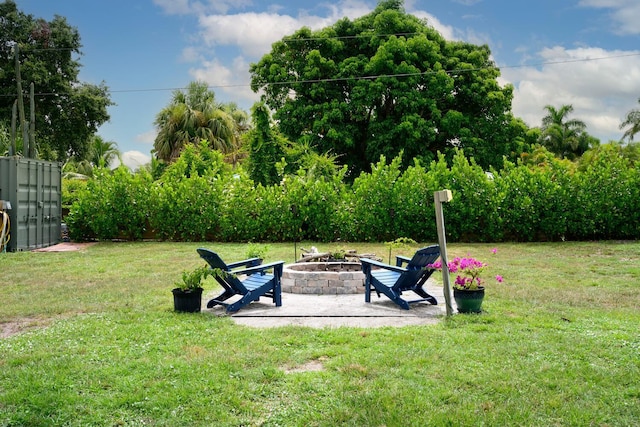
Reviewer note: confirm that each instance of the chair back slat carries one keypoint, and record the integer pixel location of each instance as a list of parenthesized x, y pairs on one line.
[(417, 270), (424, 257), (228, 279), (213, 259)]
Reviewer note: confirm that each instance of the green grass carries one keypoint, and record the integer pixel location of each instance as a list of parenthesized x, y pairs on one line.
[(99, 344)]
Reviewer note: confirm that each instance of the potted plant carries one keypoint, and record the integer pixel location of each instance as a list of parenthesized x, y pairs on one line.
[(255, 250), (187, 295), (399, 243), (468, 288)]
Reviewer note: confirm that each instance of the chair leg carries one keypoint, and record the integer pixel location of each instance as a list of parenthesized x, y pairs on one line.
[(228, 293), (367, 291), (402, 303), (254, 296), (393, 296), (245, 300), (277, 294), (427, 297)]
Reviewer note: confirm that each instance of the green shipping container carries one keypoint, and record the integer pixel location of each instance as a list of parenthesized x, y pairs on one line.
[(33, 188)]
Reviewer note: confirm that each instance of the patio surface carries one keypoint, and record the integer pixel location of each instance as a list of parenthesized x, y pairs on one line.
[(320, 311)]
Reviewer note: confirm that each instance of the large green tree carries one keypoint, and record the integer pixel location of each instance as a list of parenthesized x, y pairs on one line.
[(567, 138), (632, 122), (194, 115), (387, 83), (67, 112)]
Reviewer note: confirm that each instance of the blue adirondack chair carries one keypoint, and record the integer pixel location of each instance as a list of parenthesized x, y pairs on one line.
[(256, 284), (392, 280)]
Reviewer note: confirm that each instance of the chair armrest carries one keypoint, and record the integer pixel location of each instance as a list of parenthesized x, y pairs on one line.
[(402, 259), (277, 265), (382, 265), (251, 262)]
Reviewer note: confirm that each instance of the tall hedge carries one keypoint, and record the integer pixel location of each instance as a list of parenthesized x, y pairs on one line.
[(186, 202), (113, 205), (534, 202), (201, 198), (607, 199)]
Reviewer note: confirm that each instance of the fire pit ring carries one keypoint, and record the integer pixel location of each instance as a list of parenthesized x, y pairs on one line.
[(323, 278)]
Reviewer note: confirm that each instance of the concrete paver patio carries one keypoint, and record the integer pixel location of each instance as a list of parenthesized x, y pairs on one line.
[(319, 311)]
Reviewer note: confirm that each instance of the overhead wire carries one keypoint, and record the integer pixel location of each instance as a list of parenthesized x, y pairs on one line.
[(352, 78)]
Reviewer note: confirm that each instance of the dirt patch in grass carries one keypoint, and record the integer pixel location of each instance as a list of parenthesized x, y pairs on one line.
[(310, 366), (19, 326)]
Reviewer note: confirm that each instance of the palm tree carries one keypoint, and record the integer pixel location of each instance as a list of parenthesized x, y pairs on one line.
[(565, 138), (633, 123), (100, 155), (194, 115), (101, 152)]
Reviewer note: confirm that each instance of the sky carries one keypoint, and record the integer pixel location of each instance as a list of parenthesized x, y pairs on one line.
[(554, 52)]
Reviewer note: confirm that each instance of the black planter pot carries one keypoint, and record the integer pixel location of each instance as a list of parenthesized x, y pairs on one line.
[(187, 301), (469, 301)]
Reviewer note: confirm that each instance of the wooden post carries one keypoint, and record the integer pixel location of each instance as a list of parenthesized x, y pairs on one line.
[(440, 197)]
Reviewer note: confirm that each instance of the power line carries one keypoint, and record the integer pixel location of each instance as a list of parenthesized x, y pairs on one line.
[(356, 78), (373, 77), (568, 61)]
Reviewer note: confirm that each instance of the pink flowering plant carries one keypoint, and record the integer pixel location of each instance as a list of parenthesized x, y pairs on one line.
[(467, 271)]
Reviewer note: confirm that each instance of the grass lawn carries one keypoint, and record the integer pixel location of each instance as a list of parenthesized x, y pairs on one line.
[(90, 338)]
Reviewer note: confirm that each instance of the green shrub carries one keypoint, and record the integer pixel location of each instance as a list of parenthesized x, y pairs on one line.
[(114, 205), (313, 202), (239, 209), (71, 191), (534, 201), (413, 196), (373, 204), (187, 199), (473, 214), (606, 199)]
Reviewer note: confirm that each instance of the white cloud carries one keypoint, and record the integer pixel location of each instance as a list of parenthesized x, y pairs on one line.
[(223, 6), (174, 7), (132, 159), (252, 32), (185, 7), (190, 54), (347, 8), (624, 13), (447, 31), (233, 80), (148, 137), (601, 85)]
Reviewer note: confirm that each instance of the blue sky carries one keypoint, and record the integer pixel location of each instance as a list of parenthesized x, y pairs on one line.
[(580, 52)]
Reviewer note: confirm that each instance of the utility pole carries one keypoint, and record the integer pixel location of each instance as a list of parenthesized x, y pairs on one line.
[(25, 133), (14, 117), (32, 122)]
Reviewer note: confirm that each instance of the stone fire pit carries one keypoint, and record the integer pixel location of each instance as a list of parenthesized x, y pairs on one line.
[(323, 278)]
